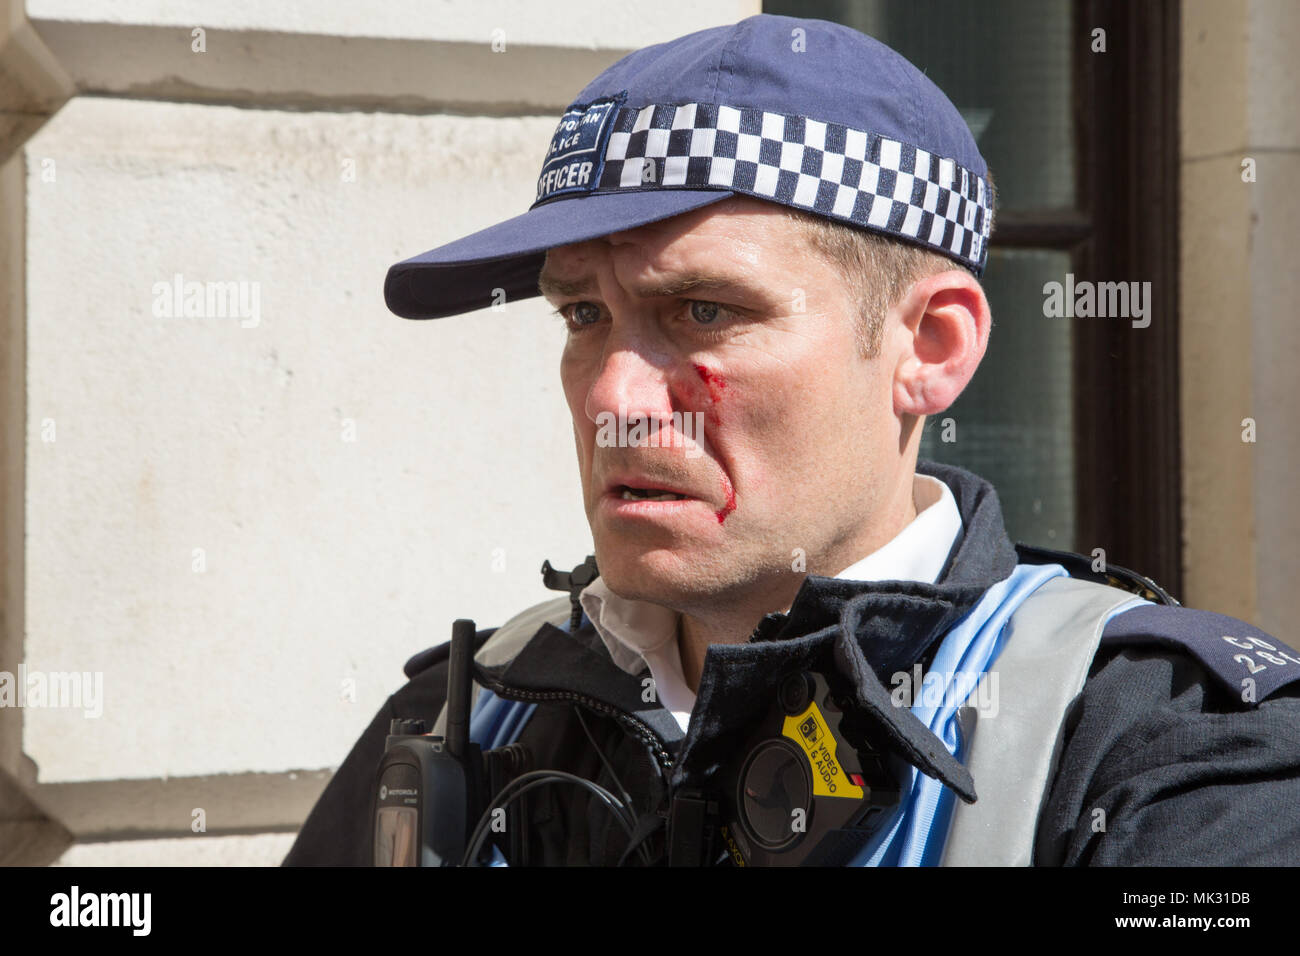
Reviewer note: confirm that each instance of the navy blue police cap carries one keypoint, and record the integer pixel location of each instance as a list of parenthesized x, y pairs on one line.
[(806, 113)]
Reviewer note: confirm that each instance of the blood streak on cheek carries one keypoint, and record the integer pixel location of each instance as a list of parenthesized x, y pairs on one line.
[(716, 385), (730, 494)]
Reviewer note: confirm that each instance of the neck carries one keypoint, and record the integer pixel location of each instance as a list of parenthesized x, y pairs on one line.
[(695, 634)]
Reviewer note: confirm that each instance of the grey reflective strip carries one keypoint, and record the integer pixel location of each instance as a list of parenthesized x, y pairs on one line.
[(509, 639), (1051, 640)]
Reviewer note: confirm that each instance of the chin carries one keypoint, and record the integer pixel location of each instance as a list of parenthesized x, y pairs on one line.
[(671, 578), (656, 575), (638, 575)]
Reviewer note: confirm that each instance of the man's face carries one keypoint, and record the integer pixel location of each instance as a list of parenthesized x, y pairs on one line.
[(729, 312)]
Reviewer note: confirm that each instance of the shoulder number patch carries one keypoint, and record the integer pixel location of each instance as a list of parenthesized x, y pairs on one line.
[(1249, 663)]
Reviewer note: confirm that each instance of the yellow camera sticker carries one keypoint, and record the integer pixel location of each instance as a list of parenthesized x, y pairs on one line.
[(810, 732)]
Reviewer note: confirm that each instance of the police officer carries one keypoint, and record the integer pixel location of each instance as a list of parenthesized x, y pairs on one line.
[(797, 643)]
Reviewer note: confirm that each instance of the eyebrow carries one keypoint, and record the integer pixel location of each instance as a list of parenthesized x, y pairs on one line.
[(674, 285), (552, 286)]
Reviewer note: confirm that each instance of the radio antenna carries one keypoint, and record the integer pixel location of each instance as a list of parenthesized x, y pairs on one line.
[(459, 680)]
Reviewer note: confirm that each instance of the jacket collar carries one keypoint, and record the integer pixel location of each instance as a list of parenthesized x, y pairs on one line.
[(864, 631)]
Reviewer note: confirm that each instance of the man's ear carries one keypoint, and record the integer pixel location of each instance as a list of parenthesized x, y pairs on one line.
[(941, 326)]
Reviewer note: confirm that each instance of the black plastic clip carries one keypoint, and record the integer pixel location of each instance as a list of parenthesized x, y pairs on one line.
[(692, 829), (573, 582)]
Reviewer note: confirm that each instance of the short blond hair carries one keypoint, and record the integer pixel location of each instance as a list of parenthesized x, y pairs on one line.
[(879, 268)]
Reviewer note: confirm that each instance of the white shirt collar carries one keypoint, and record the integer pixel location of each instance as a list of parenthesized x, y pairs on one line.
[(639, 634), (919, 551)]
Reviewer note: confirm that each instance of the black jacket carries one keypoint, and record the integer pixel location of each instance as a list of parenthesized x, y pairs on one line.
[(1160, 738)]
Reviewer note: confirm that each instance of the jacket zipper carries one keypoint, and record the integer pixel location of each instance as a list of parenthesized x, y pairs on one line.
[(638, 728)]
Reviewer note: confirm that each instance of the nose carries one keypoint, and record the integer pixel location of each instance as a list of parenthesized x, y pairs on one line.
[(633, 379)]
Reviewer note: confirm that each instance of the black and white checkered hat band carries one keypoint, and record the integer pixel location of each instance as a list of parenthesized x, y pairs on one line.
[(837, 172)]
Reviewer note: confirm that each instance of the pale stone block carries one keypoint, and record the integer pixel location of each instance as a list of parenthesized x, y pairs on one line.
[(1275, 285), (200, 529), (261, 849), (1216, 368)]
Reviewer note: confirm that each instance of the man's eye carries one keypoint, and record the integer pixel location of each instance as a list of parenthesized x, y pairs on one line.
[(705, 313), (581, 313)]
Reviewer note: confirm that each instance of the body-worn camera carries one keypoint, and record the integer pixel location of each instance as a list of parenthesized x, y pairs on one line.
[(812, 784)]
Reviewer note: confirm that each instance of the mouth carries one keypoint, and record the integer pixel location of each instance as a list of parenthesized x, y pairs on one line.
[(630, 486), (635, 497), (631, 493)]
